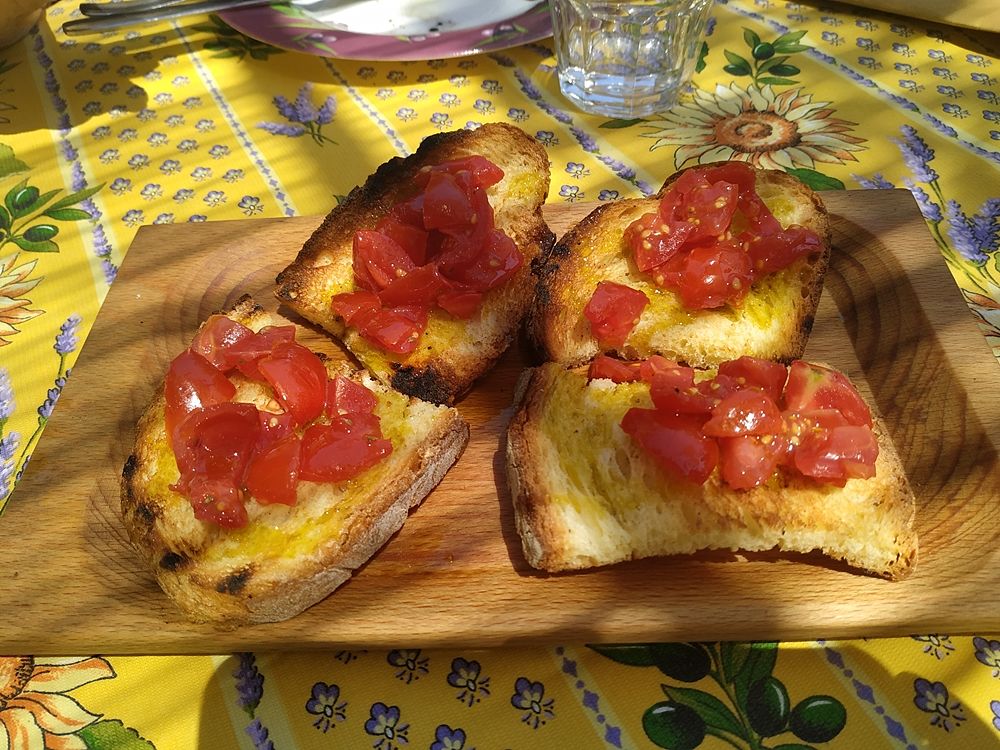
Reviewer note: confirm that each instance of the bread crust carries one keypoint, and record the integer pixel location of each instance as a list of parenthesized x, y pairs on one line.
[(595, 250), (566, 529), (283, 567), (452, 354)]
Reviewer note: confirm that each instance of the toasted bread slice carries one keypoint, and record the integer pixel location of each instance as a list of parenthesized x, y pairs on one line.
[(287, 557), (452, 353), (585, 495), (773, 322)]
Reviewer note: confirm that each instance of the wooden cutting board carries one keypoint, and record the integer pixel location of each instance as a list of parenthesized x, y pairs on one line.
[(891, 317)]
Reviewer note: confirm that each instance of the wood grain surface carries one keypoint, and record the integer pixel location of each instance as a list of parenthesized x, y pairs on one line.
[(891, 317)]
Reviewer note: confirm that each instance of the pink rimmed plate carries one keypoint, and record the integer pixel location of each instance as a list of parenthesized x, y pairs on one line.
[(441, 34)]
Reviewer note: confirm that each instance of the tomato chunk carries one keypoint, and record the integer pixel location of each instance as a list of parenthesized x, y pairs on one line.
[(837, 453), (811, 386), (613, 311), (396, 330), (421, 286), (674, 442), (713, 276), (754, 372), (346, 396), (654, 241), (409, 236), (351, 305), (298, 377), (342, 449), (460, 303), (215, 339), (447, 206), (613, 369), (216, 440), (192, 382), (749, 461), (674, 392), (745, 412), (273, 474), (378, 260)]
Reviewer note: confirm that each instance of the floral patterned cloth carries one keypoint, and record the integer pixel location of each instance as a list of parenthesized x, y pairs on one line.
[(193, 121)]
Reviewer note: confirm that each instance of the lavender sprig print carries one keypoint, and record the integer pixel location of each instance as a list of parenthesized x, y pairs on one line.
[(249, 691), (249, 683), (65, 344), (916, 154), (8, 441), (303, 116), (968, 243)]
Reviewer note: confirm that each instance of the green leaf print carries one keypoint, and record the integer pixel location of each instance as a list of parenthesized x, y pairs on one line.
[(620, 123), (10, 164), (715, 713), (816, 180), (113, 735), (631, 654)]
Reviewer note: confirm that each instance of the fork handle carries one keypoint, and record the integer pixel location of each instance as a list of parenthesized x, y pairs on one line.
[(111, 22), (94, 10)]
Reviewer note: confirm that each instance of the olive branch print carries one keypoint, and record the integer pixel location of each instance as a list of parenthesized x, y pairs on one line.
[(27, 221), (768, 63), (757, 711)]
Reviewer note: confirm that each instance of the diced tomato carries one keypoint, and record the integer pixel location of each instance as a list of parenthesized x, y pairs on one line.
[(674, 442), (214, 444), (216, 337), (654, 364), (218, 501), (421, 286), (378, 260), (654, 241), (273, 473), (811, 386), (748, 461), (410, 211), (460, 303), (346, 396), (613, 311), (396, 330), (772, 252), (745, 412), (273, 427), (351, 305), (674, 391), (485, 173), (342, 449), (192, 382), (298, 377), (715, 275), (481, 171), (409, 236), (707, 207), (248, 351), (757, 373), (609, 368), (836, 454), (446, 205), (496, 262)]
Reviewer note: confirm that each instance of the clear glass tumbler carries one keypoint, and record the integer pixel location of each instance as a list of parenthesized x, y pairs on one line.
[(626, 59)]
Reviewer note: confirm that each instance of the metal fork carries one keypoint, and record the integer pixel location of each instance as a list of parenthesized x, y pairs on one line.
[(111, 16)]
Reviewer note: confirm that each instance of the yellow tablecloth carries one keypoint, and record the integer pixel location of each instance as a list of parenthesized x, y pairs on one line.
[(192, 122)]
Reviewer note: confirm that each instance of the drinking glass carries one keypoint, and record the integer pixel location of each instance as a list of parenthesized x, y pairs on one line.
[(626, 59)]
